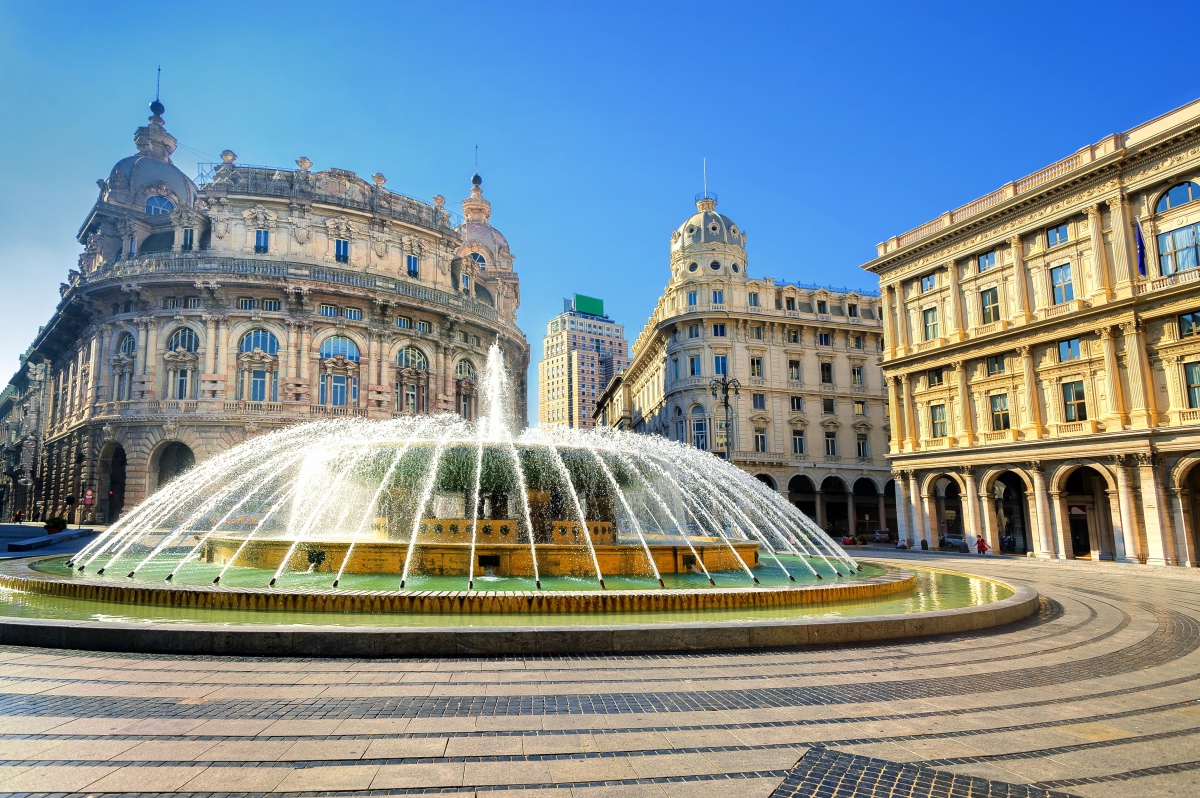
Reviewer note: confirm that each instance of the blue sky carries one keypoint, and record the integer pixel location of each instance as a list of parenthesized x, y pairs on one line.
[(827, 127)]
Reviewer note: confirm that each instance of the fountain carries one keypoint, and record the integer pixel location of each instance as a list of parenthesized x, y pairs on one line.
[(436, 517)]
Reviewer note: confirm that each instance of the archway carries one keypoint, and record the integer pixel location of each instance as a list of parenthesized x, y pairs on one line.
[(1189, 510), (173, 461), (766, 480), (889, 508), (1009, 502), (946, 495), (834, 506), (1085, 515), (866, 505), (112, 483), (803, 494)]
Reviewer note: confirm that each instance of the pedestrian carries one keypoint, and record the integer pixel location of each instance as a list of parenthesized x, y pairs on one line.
[(17, 517), (981, 545)]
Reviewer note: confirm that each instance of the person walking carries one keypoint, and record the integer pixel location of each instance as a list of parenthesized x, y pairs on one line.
[(981, 545)]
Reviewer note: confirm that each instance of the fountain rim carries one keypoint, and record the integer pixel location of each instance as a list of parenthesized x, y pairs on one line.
[(517, 640)]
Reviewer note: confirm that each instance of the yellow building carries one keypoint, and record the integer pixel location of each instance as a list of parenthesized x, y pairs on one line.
[(583, 350), (1043, 358), (810, 416)]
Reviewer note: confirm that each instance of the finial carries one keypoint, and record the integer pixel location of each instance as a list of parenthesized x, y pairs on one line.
[(476, 180), (228, 156), (378, 179), (303, 163), (157, 107)]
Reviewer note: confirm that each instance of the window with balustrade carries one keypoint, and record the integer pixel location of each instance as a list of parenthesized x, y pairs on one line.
[(822, 307), (262, 241), (720, 365), (718, 297), (692, 299), (789, 303), (999, 407), (693, 365), (798, 441), (1178, 250), (937, 421), (1074, 402), (929, 318), (831, 444), (863, 445), (341, 250), (257, 380), (760, 440), (413, 263), (1061, 287), (752, 299), (1191, 375), (989, 305)]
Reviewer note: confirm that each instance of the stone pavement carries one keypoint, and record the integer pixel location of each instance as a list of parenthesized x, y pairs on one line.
[(1098, 695)]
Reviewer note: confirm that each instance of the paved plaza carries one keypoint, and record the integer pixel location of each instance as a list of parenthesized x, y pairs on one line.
[(1098, 695)]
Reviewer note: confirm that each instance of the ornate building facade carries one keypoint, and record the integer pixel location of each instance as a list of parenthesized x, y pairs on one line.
[(583, 349), (810, 416), (204, 312), (1043, 356)]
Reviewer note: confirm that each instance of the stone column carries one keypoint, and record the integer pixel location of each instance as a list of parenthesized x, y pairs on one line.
[(820, 497), (892, 327), (1186, 545), (901, 319), (303, 355), (1024, 306), (930, 519), (1115, 412), (883, 522), (910, 414), (920, 520), (970, 504), (222, 353), (1160, 543), (991, 526), (1128, 526), (896, 444), (966, 430), (1141, 398), (210, 344), (1064, 548), (1099, 261), (1123, 265), (286, 357), (903, 525), (1032, 423), (958, 328), (1150, 247), (143, 351), (1041, 501), (850, 511), (1118, 525)]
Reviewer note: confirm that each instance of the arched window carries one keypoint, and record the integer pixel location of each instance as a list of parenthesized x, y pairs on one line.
[(1178, 195), (332, 347), (185, 339), (464, 369), (260, 339), (480, 261), (699, 428), (128, 345), (412, 358), (158, 206)]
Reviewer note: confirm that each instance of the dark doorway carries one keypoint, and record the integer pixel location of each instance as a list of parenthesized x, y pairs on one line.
[(174, 460), (116, 485), (836, 500), (1012, 523), (803, 494)]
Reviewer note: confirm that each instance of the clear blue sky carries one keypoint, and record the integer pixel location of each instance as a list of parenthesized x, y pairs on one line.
[(828, 127)]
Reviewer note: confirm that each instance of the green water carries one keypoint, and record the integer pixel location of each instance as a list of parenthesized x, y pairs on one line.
[(935, 590)]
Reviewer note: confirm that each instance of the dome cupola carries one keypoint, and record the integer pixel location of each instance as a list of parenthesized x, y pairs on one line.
[(708, 243)]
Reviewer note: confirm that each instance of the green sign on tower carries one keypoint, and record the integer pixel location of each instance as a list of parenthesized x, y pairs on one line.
[(589, 305)]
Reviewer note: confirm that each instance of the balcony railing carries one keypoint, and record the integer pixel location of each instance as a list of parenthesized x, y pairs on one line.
[(1179, 278), (253, 407), (172, 406), (1189, 416), (333, 410)]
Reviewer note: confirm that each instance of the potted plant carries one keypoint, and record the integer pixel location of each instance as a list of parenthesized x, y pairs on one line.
[(55, 524)]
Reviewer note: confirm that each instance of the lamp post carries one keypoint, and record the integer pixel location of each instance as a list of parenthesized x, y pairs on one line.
[(723, 385)]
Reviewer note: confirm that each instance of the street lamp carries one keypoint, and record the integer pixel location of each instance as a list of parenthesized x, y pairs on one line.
[(723, 385)]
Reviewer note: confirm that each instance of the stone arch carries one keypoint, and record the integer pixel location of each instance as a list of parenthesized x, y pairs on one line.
[(120, 330), (929, 483), (239, 329), (1083, 497), (801, 483), (767, 480), (172, 326), (862, 484), (1181, 471), (1058, 478), (834, 483), (987, 479), (111, 479), (325, 333), (169, 460), (1183, 490)]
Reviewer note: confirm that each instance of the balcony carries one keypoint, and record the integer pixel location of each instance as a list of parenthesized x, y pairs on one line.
[(253, 407), (1076, 428), (932, 343), (328, 410), (1179, 278), (1065, 309), (758, 457), (173, 406), (936, 443), (1189, 416), (1001, 436)]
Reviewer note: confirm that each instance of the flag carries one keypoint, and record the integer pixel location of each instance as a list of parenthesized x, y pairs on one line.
[(1141, 247)]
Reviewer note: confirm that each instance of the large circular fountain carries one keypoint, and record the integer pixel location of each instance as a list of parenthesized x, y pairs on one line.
[(441, 515)]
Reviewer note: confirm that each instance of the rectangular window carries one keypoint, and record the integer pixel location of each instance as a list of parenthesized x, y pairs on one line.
[(760, 440), (789, 303), (189, 239), (1178, 250), (793, 336), (794, 370), (718, 297), (718, 330), (860, 407), (1068, 350), (719, 365), (341, 250), (797, 404), (856, 341), (759, 400), (828, 406), (824, 339), (1189, 324), (989, 305), (1060, 282), (937, 420), (720, 434), (403, 322), (245, 303), (675, 368), (192, 302), (852, 311), (171, 302), (856, 375), (699, 433), (339, 397), (756, 333), (329, 310), (272, 304), (694, 366), (182, 378), (930, 317), (797, 441), (1056, 235), (693, 331), (462, 336), (258, 386), (354, 314), (752, 299), (986, 261), (1191, 375), (831, 449), (822, 306), (756, 367), (262, 241), (999, 403), (928, 282), (934, 377), (691, 299), (414, 265), (827, 373), (995, 364), (864, 449), (1074, 404), (423, 326)]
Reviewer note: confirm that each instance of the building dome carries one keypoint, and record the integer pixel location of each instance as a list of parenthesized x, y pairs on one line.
[(706, 226), (478, 235), (140, 173)]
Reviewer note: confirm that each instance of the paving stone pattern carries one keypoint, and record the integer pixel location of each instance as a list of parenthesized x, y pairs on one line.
[(1097, 695)]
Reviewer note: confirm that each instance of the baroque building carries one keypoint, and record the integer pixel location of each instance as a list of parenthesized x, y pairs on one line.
[(203, 312), (810, 416), (583, 349), (1043, 356)]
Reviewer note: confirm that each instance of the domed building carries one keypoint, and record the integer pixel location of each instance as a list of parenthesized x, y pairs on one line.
[(205, 311), (807, 414)]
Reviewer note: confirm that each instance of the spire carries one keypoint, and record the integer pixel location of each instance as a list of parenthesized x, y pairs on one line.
[(475, 207), (153, 140)]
